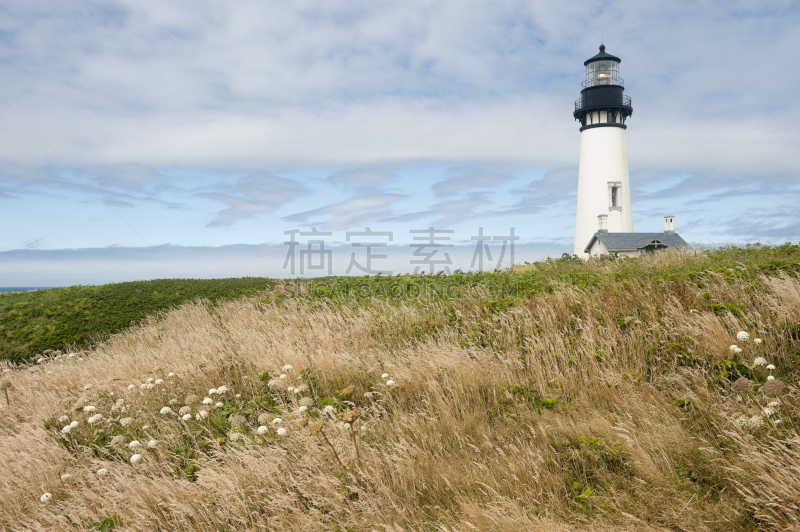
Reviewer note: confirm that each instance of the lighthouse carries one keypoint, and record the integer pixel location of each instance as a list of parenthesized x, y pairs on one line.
[(603, 184)]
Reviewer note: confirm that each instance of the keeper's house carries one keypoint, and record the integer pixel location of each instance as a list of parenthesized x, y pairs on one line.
[(632, 244)]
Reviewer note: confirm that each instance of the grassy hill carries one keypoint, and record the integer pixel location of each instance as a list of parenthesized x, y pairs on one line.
[(567, 396), (32, 323)]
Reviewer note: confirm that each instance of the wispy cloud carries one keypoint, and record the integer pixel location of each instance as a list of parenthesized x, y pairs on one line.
[(352, 212), (252, 196)]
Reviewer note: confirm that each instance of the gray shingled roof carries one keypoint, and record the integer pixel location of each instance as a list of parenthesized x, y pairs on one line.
[(633, 241)]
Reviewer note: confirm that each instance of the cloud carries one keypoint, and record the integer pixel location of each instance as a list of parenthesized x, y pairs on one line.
[(352, 212), (362, 177), (387, 83), (444, 214), (468, 180), (65, 267), (253, 195)]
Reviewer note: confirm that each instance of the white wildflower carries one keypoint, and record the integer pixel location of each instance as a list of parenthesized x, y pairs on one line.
[(738, 350), (281, 431), (173, 401), (238, 396), (755, 421), (187, 417), (222, 389), (329, 409), (150, 379), (287, 368), (283, 375), (102, 472), (742, 336), (46, 497), (774, 404), (74, 424), (63, 419), (66, 429), (212, 391), (145, 427), (385, 376), (159, 382), (126, 421), (303, 408), (734, 347), (166, 411), (171, 375), (65, 477), (277, 421), (89, 409), (134, 444), (131, 386), (262, 429), (152, 444), (770, 367), (770, 378), (201, 415), (346, 426), (390, 383), (290, 389), (760, 361), (95, 418), (136, 458), (769, 411), (757, 340), (219, 405), (208, 401), (185, 410)]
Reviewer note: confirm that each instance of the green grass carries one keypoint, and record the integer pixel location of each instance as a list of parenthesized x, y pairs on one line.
[(33, 322)]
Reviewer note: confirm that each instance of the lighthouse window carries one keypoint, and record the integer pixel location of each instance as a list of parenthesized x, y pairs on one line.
[(614, 194), (602, 73)]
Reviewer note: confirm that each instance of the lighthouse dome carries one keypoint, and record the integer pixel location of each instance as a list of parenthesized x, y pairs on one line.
[(602, 56)]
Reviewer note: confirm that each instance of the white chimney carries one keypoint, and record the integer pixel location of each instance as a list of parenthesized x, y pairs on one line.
[(602, 224), (669, 224)]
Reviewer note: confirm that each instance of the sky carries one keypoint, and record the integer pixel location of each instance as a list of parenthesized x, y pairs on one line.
[(144, 139)]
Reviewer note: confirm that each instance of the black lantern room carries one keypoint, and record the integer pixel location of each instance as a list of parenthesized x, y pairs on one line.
[(602, 102)]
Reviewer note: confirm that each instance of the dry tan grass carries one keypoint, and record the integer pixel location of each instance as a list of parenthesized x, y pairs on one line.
[(451, 446)]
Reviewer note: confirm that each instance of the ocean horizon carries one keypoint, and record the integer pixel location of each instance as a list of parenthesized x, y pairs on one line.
[(24, 288)]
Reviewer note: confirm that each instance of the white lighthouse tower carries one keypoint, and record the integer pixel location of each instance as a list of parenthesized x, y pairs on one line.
[(603, 184)]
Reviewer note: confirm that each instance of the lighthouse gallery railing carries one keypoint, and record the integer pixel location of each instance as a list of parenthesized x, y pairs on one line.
[(602, 100)]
